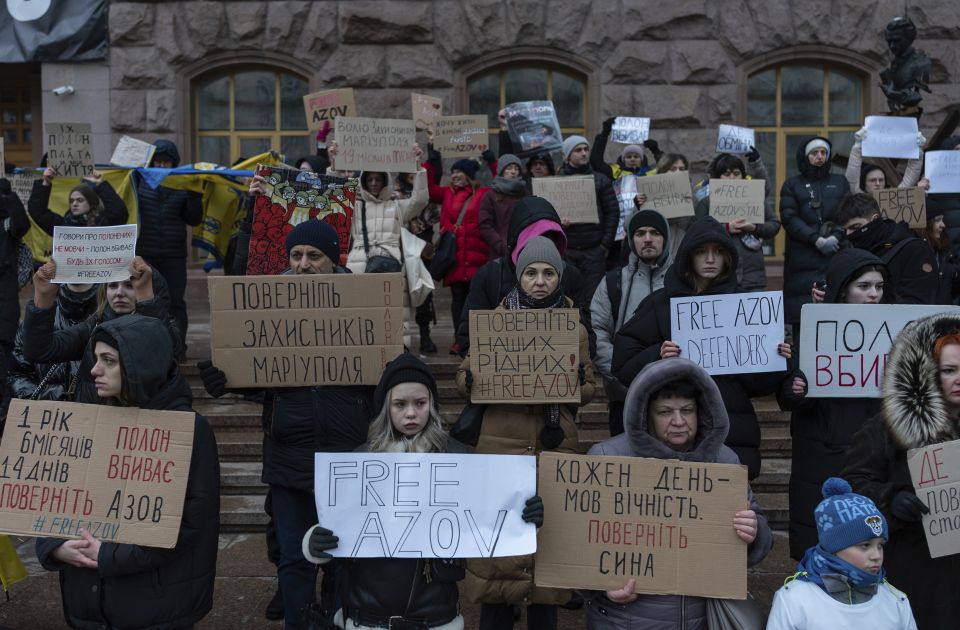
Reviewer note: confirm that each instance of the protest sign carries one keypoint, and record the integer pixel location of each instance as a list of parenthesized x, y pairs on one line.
[(93, 254), (736, 140), (307, 329), (628, 130), (574, 197), (426, 505), (669, 194), (132, 153), (426, 110), (665, 523), (845, 346), (903, 204), (942, 168), (376, 144), (935, 472), (732, 199), (22, 184), (625, 188), (533, 127), (290, 198), (461, 135), (324, 107), (69, 149), (118, 472), (525, 356), (891, 137), (736, 333)]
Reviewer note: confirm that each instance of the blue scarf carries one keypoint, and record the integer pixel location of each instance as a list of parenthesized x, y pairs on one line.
[(817, 563)]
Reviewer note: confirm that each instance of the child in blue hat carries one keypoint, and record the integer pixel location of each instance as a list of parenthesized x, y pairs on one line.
[(840, 582)]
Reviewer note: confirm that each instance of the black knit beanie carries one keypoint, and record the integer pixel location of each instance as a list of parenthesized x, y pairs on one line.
[(316, 233), (406, 368)]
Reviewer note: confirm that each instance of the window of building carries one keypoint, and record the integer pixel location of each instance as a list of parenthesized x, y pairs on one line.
[(248, 112), (16, 122)]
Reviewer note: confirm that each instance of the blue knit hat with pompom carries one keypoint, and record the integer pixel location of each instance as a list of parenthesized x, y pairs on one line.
[(845, 518)]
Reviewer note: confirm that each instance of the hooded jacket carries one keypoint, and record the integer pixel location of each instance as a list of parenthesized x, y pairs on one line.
[(384, 217), (808, 209), (496, 208), (164, 213), (913, 415), (912, 265), (148, 587), (638, 342), (114, 211), (669, 612), (604, 231)]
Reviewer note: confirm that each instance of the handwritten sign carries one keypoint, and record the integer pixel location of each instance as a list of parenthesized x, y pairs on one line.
[(942, 168), (625, 188), (118, 472), (669, 194), (845, 346), (664, 523), (903, 204), (22, 184), (326, 106), (461, 135), (376, 144), (736, 140), (732, 199), (935, 471), (69, 149), (737, 333), (533, 127), (93, 254), (426, 505), (302, 330), (574, 197), (132, 153), (628, 130), (525, 356), (891, 137), (426, 110)]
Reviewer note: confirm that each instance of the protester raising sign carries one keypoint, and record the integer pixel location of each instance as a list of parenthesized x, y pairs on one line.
[(665, 523), (376, 144), (891, 137), (93, 254), (69, 149), (844, 347), (460, 135), (426, 110), (574, 197), (533, 127), (935, 471), (302, 330), (118, 472), (737, 140), (732, 199), (425, 505), (630, 130), (942, 168), (324, 107), (736, 333), (669, 194), (903, 204), (525, 356)]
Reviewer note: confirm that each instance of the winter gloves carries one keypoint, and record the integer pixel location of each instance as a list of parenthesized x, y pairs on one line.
[(906, 506), (321, 539), (533, 511), (828, 245), (753, 155), (214, 380)]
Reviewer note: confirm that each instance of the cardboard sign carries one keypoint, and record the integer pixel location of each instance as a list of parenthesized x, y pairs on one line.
[(93, 254), (626, 189), (69, 149), (891, 137), (426, 505), (669, 194), (735, 140), (525, 356), (426, 110), (732, 199), (935, 471), (324, 107), (461, 135), (533, 127), (665, 523), (627, 130), (376, 144), (942, 168), (844, 347), (574, 197), (118, 472), (22, 184), (132, 153), (903, 204), (737, 333), (304, 330)]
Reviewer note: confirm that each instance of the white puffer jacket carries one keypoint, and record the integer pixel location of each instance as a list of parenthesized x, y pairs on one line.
[(384, 217)]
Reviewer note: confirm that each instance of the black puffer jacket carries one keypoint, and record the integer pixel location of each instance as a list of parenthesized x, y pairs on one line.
[(808, 209), (13, 225), (164, 213), (588, 235), (113, 212), (149, 587), (912, 265), (637, 343)]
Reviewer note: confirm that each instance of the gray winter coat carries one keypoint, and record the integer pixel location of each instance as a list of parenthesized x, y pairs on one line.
[(670, 612)]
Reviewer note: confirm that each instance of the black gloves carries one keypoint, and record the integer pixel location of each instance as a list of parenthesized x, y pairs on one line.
[(907, 507), (214, 380), (532, 512), (468, 381), (753, 155), (608, 125), (654, 148), (488, 156), (321, 539)]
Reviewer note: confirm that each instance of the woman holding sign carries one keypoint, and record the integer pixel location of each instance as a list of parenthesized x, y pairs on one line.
[(106, 584), (93, 203), (920, 407)]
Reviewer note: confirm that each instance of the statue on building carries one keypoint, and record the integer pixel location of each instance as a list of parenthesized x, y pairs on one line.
[(909, 71)]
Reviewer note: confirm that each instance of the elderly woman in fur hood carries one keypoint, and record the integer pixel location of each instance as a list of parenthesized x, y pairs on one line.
[(921, 406)]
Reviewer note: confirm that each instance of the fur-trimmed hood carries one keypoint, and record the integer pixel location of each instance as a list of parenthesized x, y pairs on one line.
[(913, 407)]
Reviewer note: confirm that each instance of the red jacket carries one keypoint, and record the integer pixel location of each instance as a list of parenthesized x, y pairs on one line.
[(472, 249)]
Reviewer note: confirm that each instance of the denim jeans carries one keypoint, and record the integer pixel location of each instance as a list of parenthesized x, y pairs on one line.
[(294, 512)]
